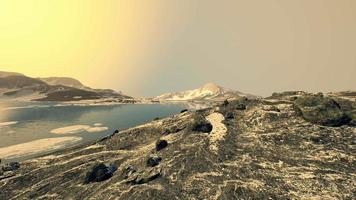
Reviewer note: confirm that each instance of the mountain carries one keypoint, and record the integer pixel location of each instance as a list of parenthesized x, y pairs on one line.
[(21, 87), (209, 91), (290, 146)]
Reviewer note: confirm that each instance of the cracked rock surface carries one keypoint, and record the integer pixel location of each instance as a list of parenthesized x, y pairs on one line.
[(292, 145)]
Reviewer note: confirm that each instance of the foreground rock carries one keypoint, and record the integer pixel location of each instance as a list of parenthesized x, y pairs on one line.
[(274, 148), (321, 110), (100, 172)]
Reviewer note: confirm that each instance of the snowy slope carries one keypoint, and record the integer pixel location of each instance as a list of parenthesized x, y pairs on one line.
[(209, 91)]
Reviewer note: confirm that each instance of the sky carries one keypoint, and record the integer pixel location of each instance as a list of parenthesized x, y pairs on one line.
[(145, 48)]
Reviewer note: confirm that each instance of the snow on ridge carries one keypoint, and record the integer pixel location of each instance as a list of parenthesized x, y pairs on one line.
[(208, 91)]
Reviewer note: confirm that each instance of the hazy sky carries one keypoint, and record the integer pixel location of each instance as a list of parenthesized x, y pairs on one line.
[(148, 47)]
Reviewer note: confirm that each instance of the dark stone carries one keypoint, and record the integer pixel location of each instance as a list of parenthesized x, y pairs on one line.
[(225, 103), (321, 110), (12, 166), (100, 172), (240, 106), (202, 126), (116, 131), (153, 161), (155, 119), (161, 144), (184, 110)]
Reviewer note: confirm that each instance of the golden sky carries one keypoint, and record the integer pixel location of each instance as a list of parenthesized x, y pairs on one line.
[(148, 47)]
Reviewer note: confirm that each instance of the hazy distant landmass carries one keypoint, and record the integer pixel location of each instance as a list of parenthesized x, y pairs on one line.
[(18, 86)]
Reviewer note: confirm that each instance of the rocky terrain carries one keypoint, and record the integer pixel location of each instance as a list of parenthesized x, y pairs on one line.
[(20, 87), (292, 145)]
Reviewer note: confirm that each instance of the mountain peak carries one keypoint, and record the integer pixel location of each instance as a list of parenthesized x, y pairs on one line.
[(211, 87)]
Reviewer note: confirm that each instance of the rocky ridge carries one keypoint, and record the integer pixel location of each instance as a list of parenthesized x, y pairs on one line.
[(292, 145)]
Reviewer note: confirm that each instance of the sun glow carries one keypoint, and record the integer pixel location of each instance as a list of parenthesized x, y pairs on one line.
[(67, 38)]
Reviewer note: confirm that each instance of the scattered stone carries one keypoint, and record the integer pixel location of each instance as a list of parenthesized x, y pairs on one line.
[(240, 106), (321, 110), (153, 160), (8, 174), (353, 142), (129, 170), (12, 166), (225, 103), (100, 172), (161, 144), (271, 108), (145, 176), (173, 129), (184, 110), (229, 115)]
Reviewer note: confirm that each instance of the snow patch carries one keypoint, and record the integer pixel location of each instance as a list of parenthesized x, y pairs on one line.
[(37, 146), (218, 132), (78, 129), (8, 123), (97, 129)]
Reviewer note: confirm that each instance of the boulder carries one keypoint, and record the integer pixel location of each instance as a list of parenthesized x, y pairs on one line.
[(161, 144), (12, 166), (100, 172), (321, 110), (153, 160), (202, 126), (239, 104)]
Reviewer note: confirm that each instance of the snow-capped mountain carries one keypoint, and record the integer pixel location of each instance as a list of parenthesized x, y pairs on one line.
[(209, 91)]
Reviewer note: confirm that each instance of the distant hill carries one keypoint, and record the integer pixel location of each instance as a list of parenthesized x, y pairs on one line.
[(209, 91), (66, 81), (21, 87), (6, 74)]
